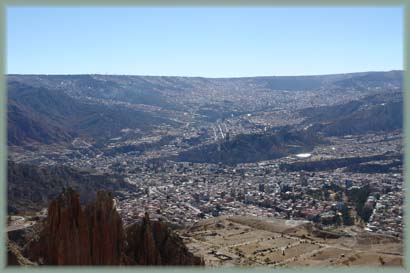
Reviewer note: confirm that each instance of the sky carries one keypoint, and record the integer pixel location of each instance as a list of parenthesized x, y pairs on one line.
[(206, 42)]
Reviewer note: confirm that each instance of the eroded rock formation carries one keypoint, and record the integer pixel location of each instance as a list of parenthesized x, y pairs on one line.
[(153, 243), (65, 237), (14, 256), (95, 235), (106, 233)]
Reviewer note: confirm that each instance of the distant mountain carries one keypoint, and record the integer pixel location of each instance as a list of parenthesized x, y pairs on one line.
[(386, 117), (375, 113), (371, 114), (358, 81), (371, 80), (38, 114), (26, 126), (152, 90), (56, 108)]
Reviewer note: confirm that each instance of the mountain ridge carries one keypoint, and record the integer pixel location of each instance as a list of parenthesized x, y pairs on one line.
[(205, 77)]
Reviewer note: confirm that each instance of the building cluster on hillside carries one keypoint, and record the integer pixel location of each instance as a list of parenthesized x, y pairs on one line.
[(184, 192)]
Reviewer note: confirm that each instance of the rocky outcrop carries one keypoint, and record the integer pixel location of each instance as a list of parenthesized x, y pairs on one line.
[(153, 243), (95, 235), (77, 236), (65, 237), (14, 256), (106, 234)]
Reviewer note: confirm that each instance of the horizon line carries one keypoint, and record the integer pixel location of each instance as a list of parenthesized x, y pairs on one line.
[(206, 77)]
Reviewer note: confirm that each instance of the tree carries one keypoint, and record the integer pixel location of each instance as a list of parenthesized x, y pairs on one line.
[(338, 219), (382, 262), (346, 217), (359, 198), (326, 194), (338, 197), (366, 213)]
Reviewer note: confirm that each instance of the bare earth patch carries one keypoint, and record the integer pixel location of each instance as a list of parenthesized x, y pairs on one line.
[(249, 241)]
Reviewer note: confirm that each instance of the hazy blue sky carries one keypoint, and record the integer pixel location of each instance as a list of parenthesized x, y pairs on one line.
[(209, 42)]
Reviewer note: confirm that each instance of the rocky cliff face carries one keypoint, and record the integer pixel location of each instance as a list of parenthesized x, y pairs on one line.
[(106, 234), (14, 256), (153, 243), (95, 235), (65, 237)]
